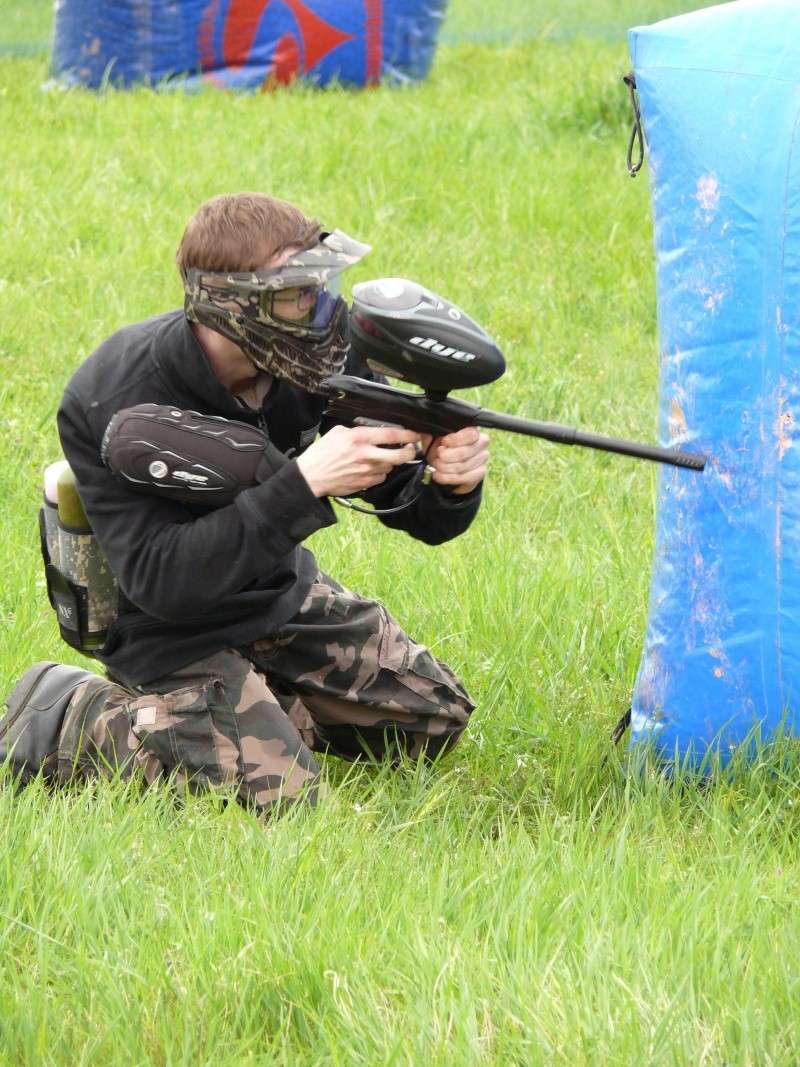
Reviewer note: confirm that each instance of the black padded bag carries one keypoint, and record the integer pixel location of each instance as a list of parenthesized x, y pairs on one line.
[(186, 456)]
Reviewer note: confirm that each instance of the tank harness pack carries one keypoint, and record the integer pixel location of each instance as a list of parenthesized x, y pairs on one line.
[(154, 449)]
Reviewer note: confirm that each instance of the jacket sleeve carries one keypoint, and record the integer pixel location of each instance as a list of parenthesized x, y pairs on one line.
[(168, 561), (437, 515)]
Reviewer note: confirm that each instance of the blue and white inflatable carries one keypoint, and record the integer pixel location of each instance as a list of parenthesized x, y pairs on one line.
[(243, 44), (719, 92)]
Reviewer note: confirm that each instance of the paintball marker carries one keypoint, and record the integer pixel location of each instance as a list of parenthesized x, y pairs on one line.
[(405, 331)]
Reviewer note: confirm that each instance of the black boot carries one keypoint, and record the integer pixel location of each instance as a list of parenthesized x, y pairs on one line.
[(30, 730)]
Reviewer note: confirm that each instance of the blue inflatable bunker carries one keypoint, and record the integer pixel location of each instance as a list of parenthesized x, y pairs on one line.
[(243, 44), (719, 93)]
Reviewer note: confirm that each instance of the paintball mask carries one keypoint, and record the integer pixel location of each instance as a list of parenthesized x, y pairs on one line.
[(285, 319)]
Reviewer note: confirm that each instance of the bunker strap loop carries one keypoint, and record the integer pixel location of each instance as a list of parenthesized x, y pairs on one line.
[(636, 129), (619, 730)]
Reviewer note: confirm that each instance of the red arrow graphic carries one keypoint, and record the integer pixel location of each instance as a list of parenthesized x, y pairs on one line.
[(241, 25)]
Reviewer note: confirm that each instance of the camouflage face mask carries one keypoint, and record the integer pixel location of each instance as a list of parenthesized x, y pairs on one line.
[(284, 319)]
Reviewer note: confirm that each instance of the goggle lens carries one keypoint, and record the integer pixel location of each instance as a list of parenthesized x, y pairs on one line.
[(302, 305), (296, 304)]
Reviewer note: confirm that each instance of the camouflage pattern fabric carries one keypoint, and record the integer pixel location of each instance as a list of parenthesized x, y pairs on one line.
[(85, 726), (340, 677), (318, 265), (366, 687), (232, 304), (82, 561)]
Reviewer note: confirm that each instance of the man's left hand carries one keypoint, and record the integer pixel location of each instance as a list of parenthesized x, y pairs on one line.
[(459, 459)]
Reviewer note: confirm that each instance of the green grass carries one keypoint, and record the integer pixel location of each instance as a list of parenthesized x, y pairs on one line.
[(525, 901), (609, 20), (27, 27)]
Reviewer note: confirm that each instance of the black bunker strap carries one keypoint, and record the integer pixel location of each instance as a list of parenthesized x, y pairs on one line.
[(617, 734), (619, 730), (186, 456), (636, 136)]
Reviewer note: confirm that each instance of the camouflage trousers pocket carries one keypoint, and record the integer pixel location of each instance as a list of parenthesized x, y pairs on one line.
[(191, 733), (430, 685), (393, 643)]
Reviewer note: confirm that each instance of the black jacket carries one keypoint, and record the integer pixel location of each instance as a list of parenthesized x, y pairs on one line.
[(197, 580)]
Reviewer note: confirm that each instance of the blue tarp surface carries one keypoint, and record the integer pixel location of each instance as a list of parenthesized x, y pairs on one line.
[(719, 92)]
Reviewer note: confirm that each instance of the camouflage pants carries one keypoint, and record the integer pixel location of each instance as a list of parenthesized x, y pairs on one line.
[(340, 677)]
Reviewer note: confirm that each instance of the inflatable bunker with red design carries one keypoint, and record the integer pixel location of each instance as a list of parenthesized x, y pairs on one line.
[(243, 44)]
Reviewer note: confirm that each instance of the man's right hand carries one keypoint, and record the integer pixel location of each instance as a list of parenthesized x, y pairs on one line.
[(345, 461)]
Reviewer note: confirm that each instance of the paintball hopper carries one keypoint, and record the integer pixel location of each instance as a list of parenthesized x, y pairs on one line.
[(405, 331), (402, 329)]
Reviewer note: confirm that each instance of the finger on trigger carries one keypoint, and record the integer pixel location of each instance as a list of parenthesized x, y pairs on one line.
[(392, 455), (394, 435), (405, 454)]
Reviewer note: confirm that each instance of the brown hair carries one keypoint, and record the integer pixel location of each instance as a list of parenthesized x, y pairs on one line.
[(243, 231)]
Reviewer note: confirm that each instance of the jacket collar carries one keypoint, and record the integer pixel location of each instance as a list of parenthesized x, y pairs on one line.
[(184, 366), (181, 360)]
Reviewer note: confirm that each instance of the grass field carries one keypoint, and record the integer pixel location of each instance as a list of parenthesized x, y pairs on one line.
[(28, 27), (525, 901)]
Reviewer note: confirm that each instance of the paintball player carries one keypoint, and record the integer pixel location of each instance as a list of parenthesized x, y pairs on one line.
[(234, 659)]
